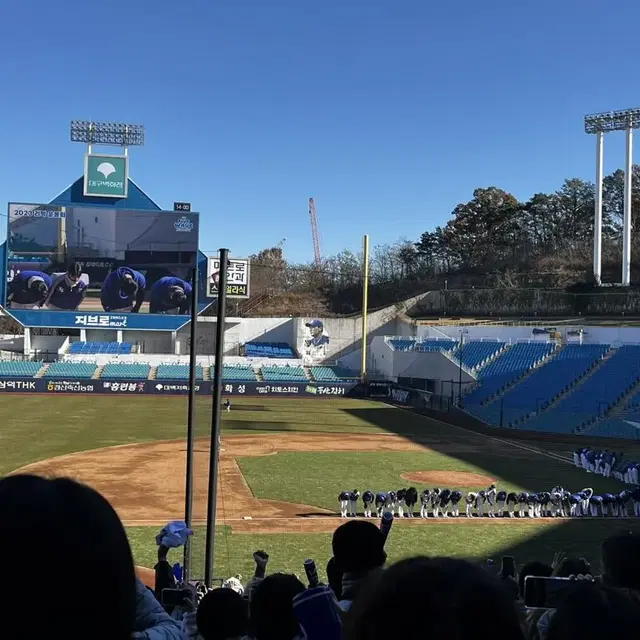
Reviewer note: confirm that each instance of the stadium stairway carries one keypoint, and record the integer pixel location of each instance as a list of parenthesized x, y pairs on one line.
[(619, 408), (559, 397), (206, 373), (487, 362), (42, 371), (153, 373), (511, 385), (98, 372), (310, 375), (579, 381), (259, 375)]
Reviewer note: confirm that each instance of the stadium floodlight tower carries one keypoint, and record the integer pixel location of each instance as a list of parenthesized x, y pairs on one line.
[(599, 124), (112, 134)]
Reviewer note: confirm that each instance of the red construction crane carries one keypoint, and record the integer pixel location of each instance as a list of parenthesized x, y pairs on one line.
[(314, 231)]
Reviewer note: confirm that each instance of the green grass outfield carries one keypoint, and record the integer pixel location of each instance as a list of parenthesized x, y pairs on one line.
[(39, 427)]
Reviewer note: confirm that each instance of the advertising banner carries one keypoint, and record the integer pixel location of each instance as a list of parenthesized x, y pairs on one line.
[(72, 320), (171, 387), (238, 280)]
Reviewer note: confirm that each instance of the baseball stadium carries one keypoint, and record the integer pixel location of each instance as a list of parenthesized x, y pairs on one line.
[(489, 420)]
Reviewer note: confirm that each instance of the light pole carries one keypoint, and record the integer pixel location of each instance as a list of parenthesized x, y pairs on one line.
[(599, 124), (112, 134)]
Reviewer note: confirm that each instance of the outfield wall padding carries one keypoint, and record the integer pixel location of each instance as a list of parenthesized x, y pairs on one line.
[(174, 387)]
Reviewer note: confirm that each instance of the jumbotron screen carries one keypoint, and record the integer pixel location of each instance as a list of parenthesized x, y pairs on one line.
[(102, 260)]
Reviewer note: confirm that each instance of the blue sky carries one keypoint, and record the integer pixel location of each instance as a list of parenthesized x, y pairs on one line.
[(388, 113)]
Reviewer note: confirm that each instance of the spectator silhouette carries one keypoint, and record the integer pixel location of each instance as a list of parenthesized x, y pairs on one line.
[(67, 536), (334, 578), (535, 568), (595, 612), (271, 612), (621, 561), (455, 600), (222, 615), (358, 550)]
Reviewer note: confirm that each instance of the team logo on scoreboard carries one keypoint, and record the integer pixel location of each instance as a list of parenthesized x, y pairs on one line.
[(183, 224)]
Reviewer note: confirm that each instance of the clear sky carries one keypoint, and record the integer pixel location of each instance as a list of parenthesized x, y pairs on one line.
[(388, 113)]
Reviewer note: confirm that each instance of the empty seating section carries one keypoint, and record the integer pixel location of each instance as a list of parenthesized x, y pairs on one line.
[(70, 370), (119, 348), (402, 344), (632, 408), (269, 350), (544, 384), (324, 374), (474, 354), (594, 397), (231, 372), (613, 428), (284, 374), (423, 346), (176, 372), (126, 371), (429, 346), (332, 374), (507, 368), (19, 368)]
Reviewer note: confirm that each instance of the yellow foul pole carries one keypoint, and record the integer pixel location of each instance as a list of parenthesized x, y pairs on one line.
[(365, 308)]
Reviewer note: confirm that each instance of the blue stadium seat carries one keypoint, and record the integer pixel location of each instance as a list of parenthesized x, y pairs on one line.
[(284, 374), (70, 370), (93, 348), (128, 371), (593, 398), (176, 372), (475, 354), (613, 428), (269, 350), (332, 374), (433, 345), (508, 367), (19, 368), (237, 373), (546, 383)]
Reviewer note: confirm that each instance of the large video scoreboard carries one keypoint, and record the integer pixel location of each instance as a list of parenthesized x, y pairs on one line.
[(87, 256)]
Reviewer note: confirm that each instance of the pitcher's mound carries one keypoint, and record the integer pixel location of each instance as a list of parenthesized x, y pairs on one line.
[(449, 478)]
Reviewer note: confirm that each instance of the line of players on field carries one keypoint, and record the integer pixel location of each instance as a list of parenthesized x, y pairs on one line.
[(444, 502), (123, 291), (608, 464)]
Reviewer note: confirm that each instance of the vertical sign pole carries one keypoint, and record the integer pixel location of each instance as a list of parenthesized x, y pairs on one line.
[(216, 419), (188, 507)]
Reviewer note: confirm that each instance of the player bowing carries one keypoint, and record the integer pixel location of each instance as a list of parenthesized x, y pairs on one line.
[(171, 296), (123, 290), (67, 290), (28, 289)]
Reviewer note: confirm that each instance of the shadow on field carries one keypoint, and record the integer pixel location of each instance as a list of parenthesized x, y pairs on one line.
[(521, 464), (575, 537)]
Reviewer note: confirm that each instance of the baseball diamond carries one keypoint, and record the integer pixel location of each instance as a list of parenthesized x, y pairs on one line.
[(283, 463)]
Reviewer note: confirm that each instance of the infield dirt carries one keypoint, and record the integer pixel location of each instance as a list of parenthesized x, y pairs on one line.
[(146, 484)]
